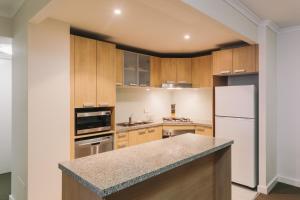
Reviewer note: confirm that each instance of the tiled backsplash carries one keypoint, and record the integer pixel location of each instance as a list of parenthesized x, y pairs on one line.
[(154, 104)]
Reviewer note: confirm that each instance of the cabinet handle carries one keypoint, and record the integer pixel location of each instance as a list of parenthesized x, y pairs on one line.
[(88, 105), (239, 71), (103, 104), (119, 84), (121, 136), (151, 131), (225, 72), (132, 84), (122, 146), (182, 81), (143, 85), (170, 82), (141, 132)]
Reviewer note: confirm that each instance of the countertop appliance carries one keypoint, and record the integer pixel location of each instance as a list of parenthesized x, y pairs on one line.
[(93, 145), (177, 119), (92, 120), (236, 118)]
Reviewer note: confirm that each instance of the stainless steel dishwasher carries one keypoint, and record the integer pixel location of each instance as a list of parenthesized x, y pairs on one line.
[(93, 145)]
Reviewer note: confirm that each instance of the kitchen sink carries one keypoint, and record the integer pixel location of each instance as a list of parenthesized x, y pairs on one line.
[(127, 124)]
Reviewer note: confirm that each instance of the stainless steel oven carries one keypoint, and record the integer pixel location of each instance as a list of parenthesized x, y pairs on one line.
[(93, 145), (92, 120)]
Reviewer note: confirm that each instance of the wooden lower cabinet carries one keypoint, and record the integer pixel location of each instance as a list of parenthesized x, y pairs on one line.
[(206, 131), (121, 140), (154, 133), (138, 137), (181, 127)]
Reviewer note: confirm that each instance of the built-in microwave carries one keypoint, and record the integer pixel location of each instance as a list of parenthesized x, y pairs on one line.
[(92, 120)]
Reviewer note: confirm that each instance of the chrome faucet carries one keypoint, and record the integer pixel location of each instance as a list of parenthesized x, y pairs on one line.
[(130, 118)]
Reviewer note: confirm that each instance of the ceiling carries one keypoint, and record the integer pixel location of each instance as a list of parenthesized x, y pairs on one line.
[(8, 8), (155, 25), (284, 13)]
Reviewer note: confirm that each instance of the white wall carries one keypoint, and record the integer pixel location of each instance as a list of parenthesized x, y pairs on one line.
[(5, 27), (135, 101), (267, 109), (288, 107), (48, 107), (5, 117), (20, 103), (193, 103)]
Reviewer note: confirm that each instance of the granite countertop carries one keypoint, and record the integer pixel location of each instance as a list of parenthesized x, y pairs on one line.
[(153, 124), (116, 170)]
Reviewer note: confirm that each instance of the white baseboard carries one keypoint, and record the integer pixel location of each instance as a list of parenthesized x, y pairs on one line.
[(266, 189), (289, 181), (11, 197)]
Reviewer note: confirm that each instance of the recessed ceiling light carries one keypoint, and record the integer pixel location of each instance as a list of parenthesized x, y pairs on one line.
[(117, 11), (187, 37)]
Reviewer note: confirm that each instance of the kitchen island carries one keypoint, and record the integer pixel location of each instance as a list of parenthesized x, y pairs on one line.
[(185, 167)]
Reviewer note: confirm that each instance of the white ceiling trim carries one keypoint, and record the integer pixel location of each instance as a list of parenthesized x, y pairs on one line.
[(244, 10), (249, 14), (290, 29), (274, 27), (15, 6)]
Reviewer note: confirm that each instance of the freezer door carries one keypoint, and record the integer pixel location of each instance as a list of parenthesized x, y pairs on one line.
[(235, 101), (244, 159)]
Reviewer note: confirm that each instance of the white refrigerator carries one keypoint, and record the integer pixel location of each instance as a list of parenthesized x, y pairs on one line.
[(236, 118)]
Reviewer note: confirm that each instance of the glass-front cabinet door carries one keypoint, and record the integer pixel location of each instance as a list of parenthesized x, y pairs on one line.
[(136, 69), (144, 70), (130, 68)]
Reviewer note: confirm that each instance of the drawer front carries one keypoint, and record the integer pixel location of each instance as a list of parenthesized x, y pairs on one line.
[(122, 144), (206, 131), (138, 137), (155, 133), (122, 136), (179, 127)]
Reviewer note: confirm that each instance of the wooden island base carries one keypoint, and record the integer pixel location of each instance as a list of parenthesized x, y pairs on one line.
[(207, 178)]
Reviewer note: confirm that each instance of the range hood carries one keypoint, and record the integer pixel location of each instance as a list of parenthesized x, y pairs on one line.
[(176, 85)]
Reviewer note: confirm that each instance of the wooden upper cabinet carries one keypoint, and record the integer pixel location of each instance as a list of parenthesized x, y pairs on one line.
[(155, 68), (222, 62), (244, 59), (168, 70), (119, 67), (85, 53), (202, 71), (256, 58), (183, 70), (106, 74)]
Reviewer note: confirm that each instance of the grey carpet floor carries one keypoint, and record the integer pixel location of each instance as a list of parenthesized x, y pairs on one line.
[(282, 192), (5, 180)]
